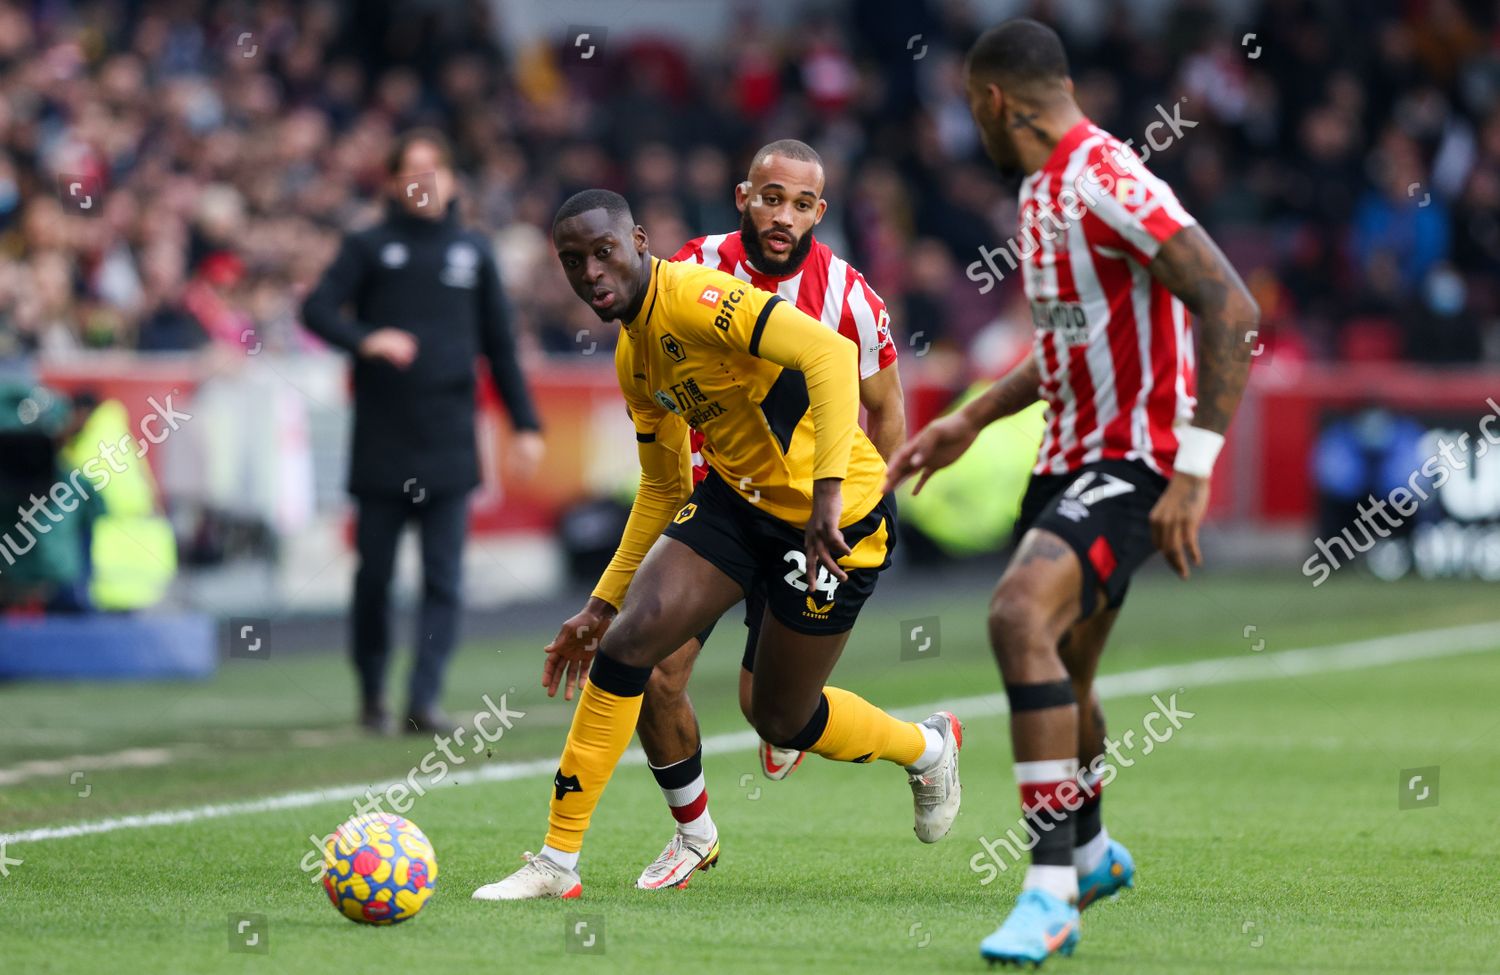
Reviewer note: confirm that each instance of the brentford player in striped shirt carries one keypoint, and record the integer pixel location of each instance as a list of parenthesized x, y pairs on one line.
[(1112, 265), (780, 202)]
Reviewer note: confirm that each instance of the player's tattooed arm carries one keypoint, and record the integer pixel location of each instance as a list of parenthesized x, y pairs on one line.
[(1010, 394), (1194, 269)]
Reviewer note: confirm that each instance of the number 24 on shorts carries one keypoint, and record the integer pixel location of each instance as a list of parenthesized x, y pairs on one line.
[(797, 578)]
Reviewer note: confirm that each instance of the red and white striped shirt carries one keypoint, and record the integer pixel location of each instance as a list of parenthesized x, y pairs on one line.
[(825, 287), (1112, 343)]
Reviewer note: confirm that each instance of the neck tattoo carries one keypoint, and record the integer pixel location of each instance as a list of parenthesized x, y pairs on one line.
[(1027, 120)]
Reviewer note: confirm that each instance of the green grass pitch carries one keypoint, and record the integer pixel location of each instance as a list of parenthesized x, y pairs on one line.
[(1268, 832)]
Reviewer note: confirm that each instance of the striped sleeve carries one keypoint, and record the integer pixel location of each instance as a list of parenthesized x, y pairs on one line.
[(1131, 201), (691, 251), (867, 324)]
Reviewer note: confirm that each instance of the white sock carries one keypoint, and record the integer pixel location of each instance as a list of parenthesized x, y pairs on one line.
[(932, 752), (559, 857), (1091, 854), (1060, 882), (700, 829), (684, 799)]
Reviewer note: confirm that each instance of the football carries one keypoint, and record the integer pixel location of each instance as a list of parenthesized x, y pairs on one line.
[(379, 869)]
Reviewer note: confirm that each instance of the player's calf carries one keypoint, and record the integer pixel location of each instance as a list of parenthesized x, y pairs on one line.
[(845, 727), (668, 726), (1104, 866), (842, 726), (776, 763)]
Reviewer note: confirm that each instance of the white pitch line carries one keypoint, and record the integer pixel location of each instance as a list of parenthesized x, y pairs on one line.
[(1357, 655), (129, 758), (1450, 641)]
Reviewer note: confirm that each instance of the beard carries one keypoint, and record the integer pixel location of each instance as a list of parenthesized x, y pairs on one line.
[(766, 263), (1002, 153)]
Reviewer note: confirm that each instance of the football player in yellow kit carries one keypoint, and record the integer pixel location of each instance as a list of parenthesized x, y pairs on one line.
[(793, 500)]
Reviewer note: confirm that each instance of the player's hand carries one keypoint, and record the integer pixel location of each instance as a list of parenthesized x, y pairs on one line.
[(526, 451), (1175, 520), (572, 650), (938, 445), (394, 345), (823, 542)]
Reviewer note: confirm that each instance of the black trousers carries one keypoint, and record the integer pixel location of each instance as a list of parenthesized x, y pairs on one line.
[(442, 520)]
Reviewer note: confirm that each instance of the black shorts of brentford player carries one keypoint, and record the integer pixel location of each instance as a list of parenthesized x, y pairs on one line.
[(765, 556), (1103, 511)]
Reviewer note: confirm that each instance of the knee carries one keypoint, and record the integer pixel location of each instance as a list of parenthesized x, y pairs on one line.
[(775, 722), (626, 642), (1018, 632)]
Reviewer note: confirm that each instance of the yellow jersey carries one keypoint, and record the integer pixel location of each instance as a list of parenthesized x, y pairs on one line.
[(775, 392)]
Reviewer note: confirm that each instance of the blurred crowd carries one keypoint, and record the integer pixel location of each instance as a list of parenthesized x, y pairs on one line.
[(174, 176)]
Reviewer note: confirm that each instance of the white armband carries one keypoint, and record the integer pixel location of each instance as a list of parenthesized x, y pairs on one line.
[(1197, 449)]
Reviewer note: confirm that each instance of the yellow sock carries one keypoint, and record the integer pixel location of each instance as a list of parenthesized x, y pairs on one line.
[(602, 726), (858, 731)]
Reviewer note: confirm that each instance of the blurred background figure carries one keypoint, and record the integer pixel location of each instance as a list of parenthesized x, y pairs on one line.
[(416, 300)]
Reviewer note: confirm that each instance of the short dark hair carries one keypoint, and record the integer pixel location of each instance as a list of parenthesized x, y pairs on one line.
[(411, 137), (609, 201), (791, 149), (1020, 53)]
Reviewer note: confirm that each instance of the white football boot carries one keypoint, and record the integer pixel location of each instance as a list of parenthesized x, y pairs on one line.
[(935, 790), (679, 861), (540, 878)]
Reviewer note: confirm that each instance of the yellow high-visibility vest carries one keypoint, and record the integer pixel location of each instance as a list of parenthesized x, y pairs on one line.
[(133, 552), (971, 506)]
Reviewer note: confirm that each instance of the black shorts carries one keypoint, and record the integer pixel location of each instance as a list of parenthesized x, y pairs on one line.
[(1103, 512), (755, 608), (764, 555)]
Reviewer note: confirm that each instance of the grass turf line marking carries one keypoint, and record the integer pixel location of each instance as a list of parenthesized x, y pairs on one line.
[(1334, 658), (150, 757), (129, 758)]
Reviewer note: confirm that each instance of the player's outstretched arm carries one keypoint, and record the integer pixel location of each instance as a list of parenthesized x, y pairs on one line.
[(945, 439), (666, 482), (1194, 269)]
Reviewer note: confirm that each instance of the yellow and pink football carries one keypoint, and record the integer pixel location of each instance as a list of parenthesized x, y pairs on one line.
[(379, 869)]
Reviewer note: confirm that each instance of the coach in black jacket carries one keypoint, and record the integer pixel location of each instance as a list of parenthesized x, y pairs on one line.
[(426, 302)]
